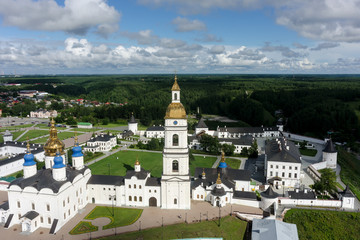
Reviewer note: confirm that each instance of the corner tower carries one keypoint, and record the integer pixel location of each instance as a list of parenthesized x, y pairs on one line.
[(175, 180)]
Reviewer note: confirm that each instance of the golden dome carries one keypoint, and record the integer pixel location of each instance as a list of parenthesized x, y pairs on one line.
[(218, 180), (53, 144), (175, 86), (203, 173), (137, 161), (175, 111)]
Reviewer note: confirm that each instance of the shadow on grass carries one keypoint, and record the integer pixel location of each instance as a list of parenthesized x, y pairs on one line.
[(128, 167)]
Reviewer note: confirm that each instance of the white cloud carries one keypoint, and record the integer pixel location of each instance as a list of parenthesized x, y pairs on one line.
[(326, 20), (83, 56), (326, 45), (76, 16), (144, 37), (217, 49), (285, 51), (186, 25)]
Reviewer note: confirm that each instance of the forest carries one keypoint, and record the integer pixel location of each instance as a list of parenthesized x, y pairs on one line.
[(308, 104)]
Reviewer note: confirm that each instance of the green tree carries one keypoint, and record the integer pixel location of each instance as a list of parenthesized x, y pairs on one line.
[(303, 144), (210, 144), (253, 150), (244, 152), (153, 144), (327, 181), (228, 149)]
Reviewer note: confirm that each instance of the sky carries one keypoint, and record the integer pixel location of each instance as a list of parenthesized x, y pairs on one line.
[(186, 36)]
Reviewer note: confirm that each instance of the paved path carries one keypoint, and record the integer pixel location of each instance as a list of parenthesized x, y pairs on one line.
[(151, 217), (216, 163)]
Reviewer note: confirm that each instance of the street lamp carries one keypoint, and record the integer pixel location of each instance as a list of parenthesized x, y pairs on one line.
[(218, 202), (139, 225), (113, 197), (109, 166)]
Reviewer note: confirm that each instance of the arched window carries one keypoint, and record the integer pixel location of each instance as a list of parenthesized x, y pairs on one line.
[(175, 96), (175, 140), (130, 198), (175, 201), (175, 166), (135, 198)]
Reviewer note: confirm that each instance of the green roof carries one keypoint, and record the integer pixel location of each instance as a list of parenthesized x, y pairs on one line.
[(84, 123)]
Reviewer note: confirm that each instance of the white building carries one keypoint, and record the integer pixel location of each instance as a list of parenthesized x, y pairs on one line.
[(86, 125), (282, 163), (223, 185), (14, 156), (43, 113), (329, 160), (175, 181), (8, 136), (133, 125), (47, 198), (101, 143), (155, 132)]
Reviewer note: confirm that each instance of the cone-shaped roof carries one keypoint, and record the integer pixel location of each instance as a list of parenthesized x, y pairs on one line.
[(269, 193), (330, 147)]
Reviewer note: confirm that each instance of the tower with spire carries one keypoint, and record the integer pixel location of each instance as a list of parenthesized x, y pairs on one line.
[(29, 163), (52, 146), (175, 180), (77, 156), (132, 124)]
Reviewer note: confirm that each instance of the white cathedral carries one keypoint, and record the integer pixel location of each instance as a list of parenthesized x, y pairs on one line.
[(50, 197)]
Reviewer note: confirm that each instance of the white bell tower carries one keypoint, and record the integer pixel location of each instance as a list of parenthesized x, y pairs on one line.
[(175, 180)]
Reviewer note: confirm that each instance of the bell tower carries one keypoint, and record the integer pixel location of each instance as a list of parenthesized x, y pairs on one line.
[(175, 180)]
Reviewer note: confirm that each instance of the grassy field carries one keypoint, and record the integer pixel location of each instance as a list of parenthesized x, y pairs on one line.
[(120, 217), (350, 170), (317, 224), (308, 152), (33, 134), (61, 136), (233, 163), (200, 161), (126, 160), (150, 161), (231, 228), (83, 227)]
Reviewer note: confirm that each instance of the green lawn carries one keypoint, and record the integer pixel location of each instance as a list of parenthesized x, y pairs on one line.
[(308, 152), (1, 138), (233, 163), (120, 217), (33, 134), (200, 161), (350, 170), (230, 228), (83, 227), (17, 134), (84, 129), (317, 224), (148, 160), (10, 128), (61, 136)]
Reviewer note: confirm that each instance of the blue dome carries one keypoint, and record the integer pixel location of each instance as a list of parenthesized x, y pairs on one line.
[(222, 165), (58, 161), (77, 151), (29, 159)]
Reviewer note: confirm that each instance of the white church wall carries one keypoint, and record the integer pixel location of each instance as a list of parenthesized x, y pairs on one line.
[(250, 203), (242, 186), (135, 192), (310, 202), (152, 191)]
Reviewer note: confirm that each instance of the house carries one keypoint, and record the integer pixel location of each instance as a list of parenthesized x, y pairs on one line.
[(101, 143), (282, 163)]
